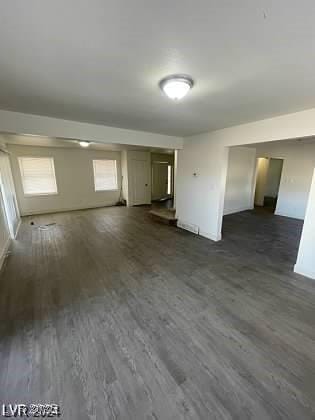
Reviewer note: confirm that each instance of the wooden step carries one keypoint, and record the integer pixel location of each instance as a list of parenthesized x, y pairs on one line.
[(166, 215)]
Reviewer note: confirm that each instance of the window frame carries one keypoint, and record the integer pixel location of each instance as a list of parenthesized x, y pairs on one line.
[(46, 194), (116, 175)]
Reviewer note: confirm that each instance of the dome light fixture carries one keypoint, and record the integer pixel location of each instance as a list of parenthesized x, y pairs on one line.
[(84, 143), (176, 86)]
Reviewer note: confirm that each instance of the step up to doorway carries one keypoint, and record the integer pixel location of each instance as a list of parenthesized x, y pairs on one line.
[(164, 215)]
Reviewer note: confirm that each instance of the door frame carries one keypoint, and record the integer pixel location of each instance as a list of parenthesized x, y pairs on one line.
[(4, 206)]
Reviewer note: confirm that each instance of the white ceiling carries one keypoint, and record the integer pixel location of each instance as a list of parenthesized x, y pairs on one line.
[(101, 61)]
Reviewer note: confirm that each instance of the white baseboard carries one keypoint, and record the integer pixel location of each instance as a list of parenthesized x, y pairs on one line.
[(188, 226), (17, 229), (195, 229), (208, 235), (60, 210), (279, 213), (304, 271), (232, 211), (5, 251)]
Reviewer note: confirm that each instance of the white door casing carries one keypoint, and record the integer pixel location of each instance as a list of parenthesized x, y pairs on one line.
[(8, 195), (159, 181)]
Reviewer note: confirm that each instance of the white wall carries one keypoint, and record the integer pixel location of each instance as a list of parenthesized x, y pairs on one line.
[(274, 177), (299, 161), (75, 180), (124, 172), (306, 256), (297, 171), (4, 233), (200, 181), (261, 180), (200, 199), (7, 196), (240, 179)]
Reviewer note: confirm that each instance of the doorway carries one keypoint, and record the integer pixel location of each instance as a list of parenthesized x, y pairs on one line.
[(268, 178), (266, 198), (162, 180)]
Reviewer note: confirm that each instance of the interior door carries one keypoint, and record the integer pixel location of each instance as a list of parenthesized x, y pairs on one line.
[(140, 182), (160, 180)]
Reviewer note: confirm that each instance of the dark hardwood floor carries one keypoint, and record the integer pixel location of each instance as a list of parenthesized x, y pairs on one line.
[(114, 316)]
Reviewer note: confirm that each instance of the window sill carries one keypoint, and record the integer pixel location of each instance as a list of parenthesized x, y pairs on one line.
[(40, 195), (116, 189)]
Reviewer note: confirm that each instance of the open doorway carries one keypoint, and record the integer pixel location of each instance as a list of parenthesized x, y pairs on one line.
[(268, 177), (266, 195), (162, 178)]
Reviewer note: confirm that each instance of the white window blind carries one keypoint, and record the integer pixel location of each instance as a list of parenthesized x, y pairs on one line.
[(38, 175), (105, 175)]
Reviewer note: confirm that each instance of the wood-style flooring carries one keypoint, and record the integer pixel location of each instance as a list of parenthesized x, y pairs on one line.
[(112, 315)]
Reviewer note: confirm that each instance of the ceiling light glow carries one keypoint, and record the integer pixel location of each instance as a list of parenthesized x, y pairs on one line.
[(176, 86), (84, 143)]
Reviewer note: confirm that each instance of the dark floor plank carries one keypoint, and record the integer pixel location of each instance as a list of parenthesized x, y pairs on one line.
[(114, 316)]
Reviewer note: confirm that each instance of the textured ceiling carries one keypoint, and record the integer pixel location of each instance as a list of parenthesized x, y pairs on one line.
[(101, 61)]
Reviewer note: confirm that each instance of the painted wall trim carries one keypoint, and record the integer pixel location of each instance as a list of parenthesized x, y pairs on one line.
[(19, 123), (305, 263), (188, 226), (284, 214), (17, 229), (232, 211), (210, 236), (4, 252), (60, 210), (195, 229), (7, 246), (304, 272)]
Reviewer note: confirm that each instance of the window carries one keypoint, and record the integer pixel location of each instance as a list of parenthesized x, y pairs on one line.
[(38, 175), (105, 175)]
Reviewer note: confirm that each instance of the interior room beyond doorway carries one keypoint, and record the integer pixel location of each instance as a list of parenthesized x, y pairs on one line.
[(162, 177), (268, 177), (270, 180)]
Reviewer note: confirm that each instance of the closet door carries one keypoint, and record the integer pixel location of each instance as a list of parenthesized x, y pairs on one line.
[(140, 181)]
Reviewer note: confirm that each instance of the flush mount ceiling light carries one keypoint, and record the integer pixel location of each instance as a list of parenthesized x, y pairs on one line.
[(84, 143), (176, 86)]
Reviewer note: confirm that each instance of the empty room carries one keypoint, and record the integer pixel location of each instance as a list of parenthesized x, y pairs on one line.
[(157, 210)]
